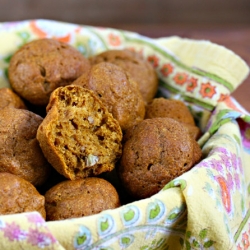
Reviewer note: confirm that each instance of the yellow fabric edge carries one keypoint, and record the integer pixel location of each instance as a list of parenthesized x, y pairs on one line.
[(208, 56)]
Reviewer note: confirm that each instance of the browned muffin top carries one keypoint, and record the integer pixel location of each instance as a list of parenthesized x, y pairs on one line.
[(78, 136), (78, 198), (138, 68), (118, 92), (176, 109), (41, 66), (194, 131), (18, 195), (157, 151), (10, 99), (20, 153)]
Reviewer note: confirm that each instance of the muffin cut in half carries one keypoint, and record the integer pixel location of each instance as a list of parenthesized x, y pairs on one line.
[(78, 136)]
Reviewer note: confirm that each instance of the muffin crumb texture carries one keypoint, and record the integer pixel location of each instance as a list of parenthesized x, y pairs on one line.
[(79, 137)]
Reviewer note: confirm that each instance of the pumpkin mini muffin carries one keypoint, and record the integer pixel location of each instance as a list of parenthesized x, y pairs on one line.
[(20, 153), (18, 196), (194, 131), (78, 136), (78, 198), (176, 109), (157, 151), (10, 99), (118, 92), (138, 68), (41, 66)]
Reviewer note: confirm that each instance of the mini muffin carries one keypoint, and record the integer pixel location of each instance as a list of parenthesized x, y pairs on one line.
[(20, 153), (194, 131), (118, 92), (197, 156), (41, 66), (139, 69), (10, 99), (157, 151), (78, 198), (18, 196), (78, 136), (175, 109)]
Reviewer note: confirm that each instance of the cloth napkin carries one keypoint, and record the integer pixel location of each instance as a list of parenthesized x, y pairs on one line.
[(206, 207)]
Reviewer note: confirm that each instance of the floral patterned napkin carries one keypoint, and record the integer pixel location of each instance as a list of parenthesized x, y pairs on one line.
[(205, 208)]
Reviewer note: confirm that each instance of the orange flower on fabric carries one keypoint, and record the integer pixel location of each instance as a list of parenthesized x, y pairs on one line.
[(167, 69), (239, 247), (231, 103), (192, 84), (139, 52), (245, 241), (222, 97), (132, 49), (154, 60), (114, 40), (207, 90), (180, 78)]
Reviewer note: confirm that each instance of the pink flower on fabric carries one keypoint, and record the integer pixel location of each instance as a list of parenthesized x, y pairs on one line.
[(41, 239), (234, 161), (219, 150), (204, 164), (226, 160), (222, 150), (237, 180), (230, 182), (240, 165), (13, 232), (216, 164), (35, 218)]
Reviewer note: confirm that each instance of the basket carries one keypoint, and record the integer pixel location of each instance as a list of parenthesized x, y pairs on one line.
[(205, 208)]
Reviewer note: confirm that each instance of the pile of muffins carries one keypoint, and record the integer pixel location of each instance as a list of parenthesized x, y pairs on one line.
[(81, 135)]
